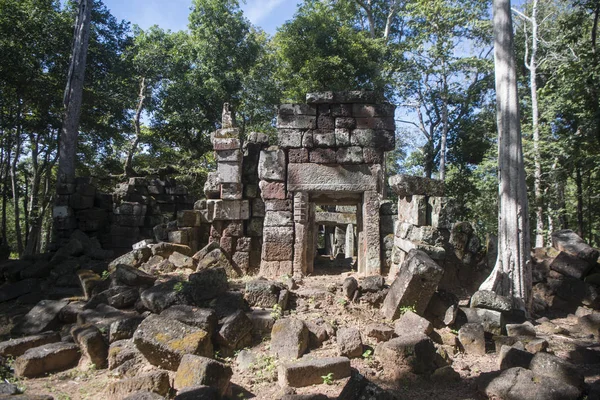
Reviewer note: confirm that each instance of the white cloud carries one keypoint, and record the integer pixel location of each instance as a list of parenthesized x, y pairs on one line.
[(257, 10)]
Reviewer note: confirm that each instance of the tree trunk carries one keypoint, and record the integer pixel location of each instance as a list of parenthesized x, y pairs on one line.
[(444, 124), (73, 95), (34, 218), (15, 192), (535, 118), (579, 185), (512, 273), (128, 168)]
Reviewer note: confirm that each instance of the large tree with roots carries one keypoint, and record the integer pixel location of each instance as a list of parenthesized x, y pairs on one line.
[(511, 275)]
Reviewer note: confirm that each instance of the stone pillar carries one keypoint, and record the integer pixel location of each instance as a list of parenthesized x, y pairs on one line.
[(329, 240), (349, 248), (301, 233), (360, 239), (371, 236), (339, 241), (312, 239)]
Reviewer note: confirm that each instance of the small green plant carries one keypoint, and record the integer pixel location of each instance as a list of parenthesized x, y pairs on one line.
[(454, 331), (277, 312), (328, 379), (405, 309), (342, 302), (105, 275), (178, 287), (367, 354)]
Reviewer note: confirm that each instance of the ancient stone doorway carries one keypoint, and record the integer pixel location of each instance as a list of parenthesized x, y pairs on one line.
[(334, 232)]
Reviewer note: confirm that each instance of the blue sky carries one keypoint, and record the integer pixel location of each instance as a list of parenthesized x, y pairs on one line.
[(173, 14)]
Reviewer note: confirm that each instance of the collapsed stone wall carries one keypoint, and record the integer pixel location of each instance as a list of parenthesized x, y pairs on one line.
[(119, 219)]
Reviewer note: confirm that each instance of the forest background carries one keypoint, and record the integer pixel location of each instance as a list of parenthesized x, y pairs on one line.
[(152, 97)]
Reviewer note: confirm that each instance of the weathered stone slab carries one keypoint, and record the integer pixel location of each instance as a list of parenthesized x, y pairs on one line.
[(201, 371), (297, 109), (570, 265), (306, 372), (42, 317), (491, 301), (271, 165), (228, 210), (164, 295), (557, 369), (472, 338), (94, 348), (568, 241), (519, 383), (407, 185), (164, 341), (334, 218), (408, 353), (410, 322), (412, 210), (48, 358), (203, 318), (349, 342), (10, 291), (234, 330), (414, 286), (16, 347), (262, 293), (155, 382), (286, 121), (491, 320), (318, 177), (289, 339)]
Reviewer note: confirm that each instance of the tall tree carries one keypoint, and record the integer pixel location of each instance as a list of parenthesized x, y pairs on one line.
[(73, 94), (511, 275)]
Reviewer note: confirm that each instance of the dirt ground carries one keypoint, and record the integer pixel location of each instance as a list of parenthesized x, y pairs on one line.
[(318, 299)]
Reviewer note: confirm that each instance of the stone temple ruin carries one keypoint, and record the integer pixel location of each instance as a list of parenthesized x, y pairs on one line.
[(163, 313), (273, 209)]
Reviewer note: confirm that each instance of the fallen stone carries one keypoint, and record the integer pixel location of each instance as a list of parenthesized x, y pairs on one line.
[(118, 297), (519, 384), (536, 345), (124, 275), (134, 258), (511, 357), (207, 284), (262, 293), (349, 342), (445, 374), (491, 301), (414, 286), (289, 339), (570, 265), (262, 322), (525, 329), (217, 259), (203, 318), (556, 369), (349, 287), (409, 322), (227, 303), (380, 332), (590, 323), (472, 338), (164, 295), (102, 316), (155, 382), (246, 359), (165, 249), (94, 349), (42, 317), (53, 357), (123, 328), (16, 347), (197, 393), (88, 280), (182, 261), (124, 359), (8, 389), (491, 320), (201, 371), (235, 331), (414, 353), (317, 334), (164, 341), (372, 284), (306, 372), (568, 241), (27, 397)]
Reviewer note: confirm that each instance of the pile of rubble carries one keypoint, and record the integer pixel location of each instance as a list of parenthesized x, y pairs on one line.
[(162, 319)]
